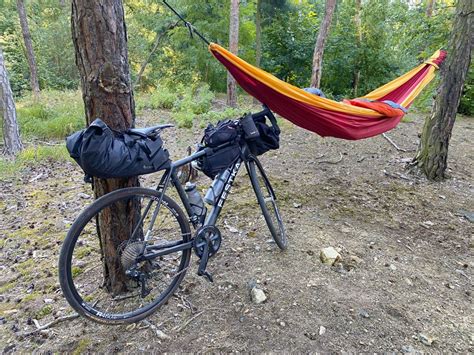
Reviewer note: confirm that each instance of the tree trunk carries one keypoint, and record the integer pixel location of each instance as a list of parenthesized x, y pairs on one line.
[(11, 134), (358, 24), (258, 37), (320, 43), (100, 40), (430, 5), (30, 54), (234, 48), (432, 153)]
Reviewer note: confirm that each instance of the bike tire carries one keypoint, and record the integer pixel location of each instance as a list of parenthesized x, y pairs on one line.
[(267, 200), (78, 247)]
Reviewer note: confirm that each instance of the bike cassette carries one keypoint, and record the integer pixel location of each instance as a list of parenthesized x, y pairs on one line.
[(209, 235)]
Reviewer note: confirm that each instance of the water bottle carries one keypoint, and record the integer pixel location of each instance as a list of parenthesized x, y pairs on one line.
[(216, 187), (195, 200)]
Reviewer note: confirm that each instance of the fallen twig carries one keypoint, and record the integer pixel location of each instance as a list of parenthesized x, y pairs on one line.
[(330, 161), (394, 144), (52, 323), (181, 327)]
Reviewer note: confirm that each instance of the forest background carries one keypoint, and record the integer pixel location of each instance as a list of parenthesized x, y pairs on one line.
[(173, 71)]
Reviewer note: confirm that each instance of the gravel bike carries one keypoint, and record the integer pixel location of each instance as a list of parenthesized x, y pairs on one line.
[(153, 260)]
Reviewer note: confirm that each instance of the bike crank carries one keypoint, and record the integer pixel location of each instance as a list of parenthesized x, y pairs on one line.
[(206, 243)]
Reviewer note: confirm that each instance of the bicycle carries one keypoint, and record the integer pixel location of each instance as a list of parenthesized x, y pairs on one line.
[(160, 243)]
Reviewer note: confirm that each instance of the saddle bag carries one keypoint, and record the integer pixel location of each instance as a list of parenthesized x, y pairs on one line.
[(104, 153)]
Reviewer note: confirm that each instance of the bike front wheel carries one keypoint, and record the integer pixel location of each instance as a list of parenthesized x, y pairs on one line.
[(267, 200), (108, 270)]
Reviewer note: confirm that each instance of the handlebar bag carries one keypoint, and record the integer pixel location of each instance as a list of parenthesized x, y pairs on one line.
[(268, 139), (223, 132), (104, 153)]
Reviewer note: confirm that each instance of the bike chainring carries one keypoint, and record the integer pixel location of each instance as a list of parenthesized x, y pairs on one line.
[(210, 235)]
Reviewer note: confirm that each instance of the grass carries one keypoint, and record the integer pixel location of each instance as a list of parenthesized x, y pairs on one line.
[(55, 115), (32, 156)]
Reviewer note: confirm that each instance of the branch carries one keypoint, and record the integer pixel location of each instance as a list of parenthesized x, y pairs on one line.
[(394, 144), (50, 324), (330, 161)]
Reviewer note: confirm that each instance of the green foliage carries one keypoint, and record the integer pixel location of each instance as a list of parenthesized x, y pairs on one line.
[(55, 115), (396, 36), (466, 106)]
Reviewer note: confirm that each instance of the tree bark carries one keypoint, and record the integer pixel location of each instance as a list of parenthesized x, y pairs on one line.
[(11, 133), (358, 24), (234, 48), (30, 54), (432, 152), (100, 41), (321, 42), (430, 5)]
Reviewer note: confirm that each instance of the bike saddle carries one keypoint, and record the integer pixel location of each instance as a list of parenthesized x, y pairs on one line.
[(148, 130)]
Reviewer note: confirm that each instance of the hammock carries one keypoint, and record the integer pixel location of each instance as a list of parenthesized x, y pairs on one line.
[(367, 116)]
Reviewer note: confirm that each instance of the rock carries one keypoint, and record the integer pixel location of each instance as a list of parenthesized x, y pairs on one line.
[(408, 349), (329, 256), (468, 215), (161, 335), (426, 339), (48, 300), (39, 254), (232, 229), (311, 336), (296, 205), (2, 320), (392, 267), (257, 295), (363, 313), (83, 195), (322, 330), (408, 281), (282, 324)]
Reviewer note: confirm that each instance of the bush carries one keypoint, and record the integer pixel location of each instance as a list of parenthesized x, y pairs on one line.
[(184, 119), (55, 115)]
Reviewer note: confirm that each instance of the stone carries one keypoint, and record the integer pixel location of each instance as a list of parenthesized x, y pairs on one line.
[(468, 215), (161, 335), (426, 339), (392, 267), (322, 330), (257, 295), (83, 195), (329, 256), (408, 349), (48, 300), (363, 313)]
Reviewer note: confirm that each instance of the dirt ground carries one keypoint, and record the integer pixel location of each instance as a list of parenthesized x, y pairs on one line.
[(404, 283)]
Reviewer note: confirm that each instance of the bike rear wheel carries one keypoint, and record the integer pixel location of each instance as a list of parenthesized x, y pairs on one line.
[(267, 200), (128, 287)]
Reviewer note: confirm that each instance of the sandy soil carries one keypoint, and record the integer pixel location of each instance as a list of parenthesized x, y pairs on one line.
[(406, 246)]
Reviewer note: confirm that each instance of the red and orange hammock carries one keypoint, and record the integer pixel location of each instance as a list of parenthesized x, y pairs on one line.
[(360, 118)]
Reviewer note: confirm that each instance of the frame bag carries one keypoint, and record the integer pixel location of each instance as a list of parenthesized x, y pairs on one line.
[(104, 153), (215, 136)]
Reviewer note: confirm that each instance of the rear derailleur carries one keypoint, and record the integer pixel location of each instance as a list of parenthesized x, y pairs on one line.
[(206, 243)]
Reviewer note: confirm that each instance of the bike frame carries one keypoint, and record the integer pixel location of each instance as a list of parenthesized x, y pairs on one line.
[(171, 177)]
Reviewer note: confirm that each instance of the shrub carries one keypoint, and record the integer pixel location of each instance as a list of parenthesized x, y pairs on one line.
[(55, 115), (184, 118)]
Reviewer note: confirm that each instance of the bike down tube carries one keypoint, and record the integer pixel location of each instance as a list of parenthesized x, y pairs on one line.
[(217, 208)]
